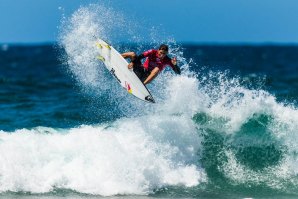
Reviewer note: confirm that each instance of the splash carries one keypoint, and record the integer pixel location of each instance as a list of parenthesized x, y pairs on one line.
[(78, 36)]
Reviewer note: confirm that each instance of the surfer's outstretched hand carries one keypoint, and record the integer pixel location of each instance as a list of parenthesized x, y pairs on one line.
[(174, 61), (176, 68)]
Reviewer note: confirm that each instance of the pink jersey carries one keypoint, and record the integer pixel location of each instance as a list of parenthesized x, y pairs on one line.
[(153, 61)]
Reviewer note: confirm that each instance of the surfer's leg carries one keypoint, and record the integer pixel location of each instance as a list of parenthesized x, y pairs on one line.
[(145, 75), (139, 71), (132, 56)]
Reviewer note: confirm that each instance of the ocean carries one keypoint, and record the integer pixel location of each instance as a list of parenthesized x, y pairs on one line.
[(225, 128)]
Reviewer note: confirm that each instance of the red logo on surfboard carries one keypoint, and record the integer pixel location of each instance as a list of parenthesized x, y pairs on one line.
[(127, 85)]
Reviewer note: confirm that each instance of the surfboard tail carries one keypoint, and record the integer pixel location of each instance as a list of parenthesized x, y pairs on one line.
[(149, 98)]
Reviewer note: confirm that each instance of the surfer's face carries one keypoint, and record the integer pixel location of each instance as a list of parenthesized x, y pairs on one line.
[(161, 54)]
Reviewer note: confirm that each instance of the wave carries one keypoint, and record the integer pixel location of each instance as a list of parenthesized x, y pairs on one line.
[(227, 137)]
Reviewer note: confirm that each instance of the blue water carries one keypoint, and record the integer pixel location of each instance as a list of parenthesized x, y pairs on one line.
[(226, 128)]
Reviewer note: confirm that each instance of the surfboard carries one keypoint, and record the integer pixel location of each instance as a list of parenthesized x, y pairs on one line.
[(117, 66)]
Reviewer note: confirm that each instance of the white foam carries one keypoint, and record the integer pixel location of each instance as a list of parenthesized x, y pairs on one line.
[(130, 157)]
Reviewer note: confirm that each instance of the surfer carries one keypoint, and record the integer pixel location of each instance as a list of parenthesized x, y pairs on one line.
[(156, 61)]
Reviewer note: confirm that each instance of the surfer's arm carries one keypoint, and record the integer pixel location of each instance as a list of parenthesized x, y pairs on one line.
[(152, 75)]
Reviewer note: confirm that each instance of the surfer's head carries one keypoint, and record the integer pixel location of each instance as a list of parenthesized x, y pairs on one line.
[(162, 51)]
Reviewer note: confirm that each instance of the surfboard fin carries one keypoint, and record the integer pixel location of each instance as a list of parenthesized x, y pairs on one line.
[(101, 58), (98, 45), (108, 46)]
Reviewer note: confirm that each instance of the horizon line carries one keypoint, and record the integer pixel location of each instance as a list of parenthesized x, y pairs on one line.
[(215, 43)]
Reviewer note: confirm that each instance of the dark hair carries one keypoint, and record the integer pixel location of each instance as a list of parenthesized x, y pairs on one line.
[(164, 47)]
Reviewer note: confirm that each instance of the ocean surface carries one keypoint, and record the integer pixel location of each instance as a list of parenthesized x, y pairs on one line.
[(226, 128)]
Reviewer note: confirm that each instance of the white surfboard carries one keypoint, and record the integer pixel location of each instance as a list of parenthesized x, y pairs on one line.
[(117, 66)]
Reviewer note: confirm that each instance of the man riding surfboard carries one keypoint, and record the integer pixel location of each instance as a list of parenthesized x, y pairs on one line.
[(156, 61)]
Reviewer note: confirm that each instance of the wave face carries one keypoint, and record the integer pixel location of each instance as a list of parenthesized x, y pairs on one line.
[(212, 133)]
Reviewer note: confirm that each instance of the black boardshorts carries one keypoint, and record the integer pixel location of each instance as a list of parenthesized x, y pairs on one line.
[(141, 72)]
